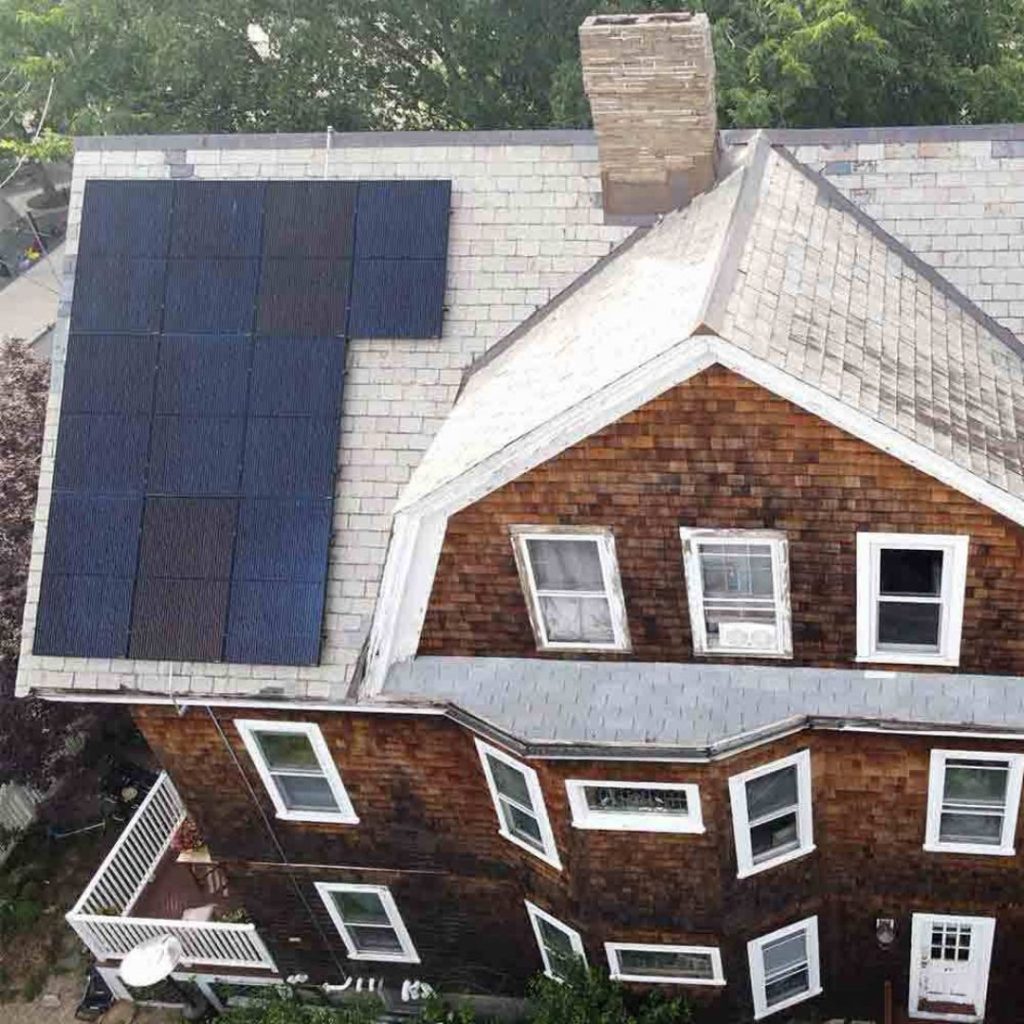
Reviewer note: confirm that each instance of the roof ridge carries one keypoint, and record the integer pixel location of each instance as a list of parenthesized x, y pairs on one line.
[(831, 194), (723, 279)]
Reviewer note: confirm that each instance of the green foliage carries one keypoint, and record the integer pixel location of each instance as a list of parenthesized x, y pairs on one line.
[(586, 995), (280, 1009)]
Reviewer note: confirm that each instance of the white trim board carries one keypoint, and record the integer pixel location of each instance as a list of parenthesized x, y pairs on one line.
[(412, 560)]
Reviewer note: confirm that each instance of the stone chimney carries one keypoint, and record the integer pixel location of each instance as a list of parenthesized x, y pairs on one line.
[(650, 79)]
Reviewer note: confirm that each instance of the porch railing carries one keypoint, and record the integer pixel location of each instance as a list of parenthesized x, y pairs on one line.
[(102, 916)]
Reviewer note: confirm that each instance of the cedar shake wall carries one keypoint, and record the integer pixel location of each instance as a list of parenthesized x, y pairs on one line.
[(719, 451), (428, 830)]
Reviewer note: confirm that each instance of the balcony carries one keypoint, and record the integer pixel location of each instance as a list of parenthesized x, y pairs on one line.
[(144, 888)]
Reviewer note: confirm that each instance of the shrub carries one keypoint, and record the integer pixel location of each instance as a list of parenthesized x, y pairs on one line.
[(289, 1009)]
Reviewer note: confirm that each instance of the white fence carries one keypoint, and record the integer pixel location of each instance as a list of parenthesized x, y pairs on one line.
[(17, 812), (101, 917)]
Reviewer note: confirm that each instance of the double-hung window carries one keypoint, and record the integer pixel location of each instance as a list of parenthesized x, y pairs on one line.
[(910, 597), (369, 922), (784, 967), (297, 770), (559, 944), (665, 965), (737, 585), (973, 801), (571, 581), (771, 813), (519, 803), (635, 806)]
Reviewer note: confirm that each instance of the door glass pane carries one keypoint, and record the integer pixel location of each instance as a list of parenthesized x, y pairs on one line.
[(971, 828), (636, 800), (660, 963), (786, 987), (900, 623), (374, 940), (774, 837), (523, 825), (287, 750), (361, 908), (910, 571), (306, 793), (565, 564), (773, 792), (577, 619), (509, 782), (981, 783)]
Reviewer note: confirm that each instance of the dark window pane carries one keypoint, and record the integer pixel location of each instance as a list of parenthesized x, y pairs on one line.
[(361, 908), (636, 800), (774, 837), (666, 964), (523, 825), (979, 783), (374, 940), (785, 988), (971, 828), (914, 571), (288, 750), (772, 792), (785, 953), (306, 793), (736, 570), (509, 782), (916, 624)]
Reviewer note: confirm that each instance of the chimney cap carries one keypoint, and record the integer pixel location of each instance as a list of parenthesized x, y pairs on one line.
[(653, 18)]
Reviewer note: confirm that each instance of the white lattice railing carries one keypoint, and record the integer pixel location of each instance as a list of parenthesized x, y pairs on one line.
[(101, 917)]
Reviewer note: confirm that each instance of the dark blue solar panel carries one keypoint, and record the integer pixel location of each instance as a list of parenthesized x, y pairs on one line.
[(203, 374), (188, 538), (303, 297), (282, 540), (92, 535), (217, 218), (109, 373), (402, 219), (179, 620), (125, 218), (210, 296), (195, 455), (309, 219), (290, 456), (297, 376), (101, 454), (117, 294), (83, 616), (275, 623), (397, 299)]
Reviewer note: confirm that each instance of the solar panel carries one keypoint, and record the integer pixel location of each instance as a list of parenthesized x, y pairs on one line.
[(309, 219), (193, 486), (117, 293), (83, 616), (195, 455), (188, 538), (297, 376), (402, 219), (210, 296), (101, 454), (126, 218), (303, 297), (109, 373), (397, 299), (179, 620), (275, 623), (92, 535), (203, 374)]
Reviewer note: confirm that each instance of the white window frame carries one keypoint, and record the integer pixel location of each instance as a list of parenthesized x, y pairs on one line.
[(741, 822), (586, 817), (612, 950), (755, 960), (408, 955), (612, 591), (936, 795), (951, 601), (248, 728), (692, 539), (536, 915), (538, 808)]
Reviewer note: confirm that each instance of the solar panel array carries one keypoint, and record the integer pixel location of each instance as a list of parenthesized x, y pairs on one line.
[(194, 478)]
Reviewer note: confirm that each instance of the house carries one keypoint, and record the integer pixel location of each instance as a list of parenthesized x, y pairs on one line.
[(524, 545)]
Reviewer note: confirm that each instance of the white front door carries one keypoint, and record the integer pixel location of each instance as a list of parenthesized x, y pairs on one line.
[(949, 964)]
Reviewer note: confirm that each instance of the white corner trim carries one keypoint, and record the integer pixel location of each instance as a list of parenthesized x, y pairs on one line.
[(408, 954), (585, 817), (248, 729), (933, 842)]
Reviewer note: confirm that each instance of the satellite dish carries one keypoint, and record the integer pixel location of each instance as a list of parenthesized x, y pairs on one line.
[(151, 961)]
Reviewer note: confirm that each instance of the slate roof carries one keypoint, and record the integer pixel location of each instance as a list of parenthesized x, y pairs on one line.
[(778, 263), (595, 708)]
